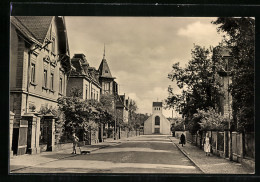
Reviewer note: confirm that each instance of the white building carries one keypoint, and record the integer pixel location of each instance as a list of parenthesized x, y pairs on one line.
[(157, 123)]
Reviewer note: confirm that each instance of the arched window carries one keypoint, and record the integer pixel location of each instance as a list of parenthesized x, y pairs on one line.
[(157, 120)]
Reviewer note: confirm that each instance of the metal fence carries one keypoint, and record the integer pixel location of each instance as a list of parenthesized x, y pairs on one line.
[(243, 146)]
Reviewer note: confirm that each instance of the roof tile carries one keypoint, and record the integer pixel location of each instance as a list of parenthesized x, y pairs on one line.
[(37, 25)]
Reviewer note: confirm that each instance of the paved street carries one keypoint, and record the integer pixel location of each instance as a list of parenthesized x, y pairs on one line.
[(144, 154)]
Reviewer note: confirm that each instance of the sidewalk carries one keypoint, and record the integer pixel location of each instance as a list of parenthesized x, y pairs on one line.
[(210, 164), (27, 160)]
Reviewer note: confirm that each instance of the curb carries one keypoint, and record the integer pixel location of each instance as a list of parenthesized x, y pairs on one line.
[(71, 155), (184, 153)]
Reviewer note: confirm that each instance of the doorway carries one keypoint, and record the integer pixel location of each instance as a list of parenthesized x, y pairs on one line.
[(156, 130)]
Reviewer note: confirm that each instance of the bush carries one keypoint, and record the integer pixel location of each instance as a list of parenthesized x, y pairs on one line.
[(211, 120)]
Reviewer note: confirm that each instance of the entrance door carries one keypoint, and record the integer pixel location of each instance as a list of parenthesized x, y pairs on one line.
[(15, 140), (157, 125), (157, 130)]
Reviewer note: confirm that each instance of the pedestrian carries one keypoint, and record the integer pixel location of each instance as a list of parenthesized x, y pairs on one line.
[(207, 144), (75, 141), (182, 139)]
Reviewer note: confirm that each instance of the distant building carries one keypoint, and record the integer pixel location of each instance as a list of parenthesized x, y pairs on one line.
[(157, 123), (122, 107), (84, 78)]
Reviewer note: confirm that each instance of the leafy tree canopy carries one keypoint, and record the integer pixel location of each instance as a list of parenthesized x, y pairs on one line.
[(240, 38), (198, 81)]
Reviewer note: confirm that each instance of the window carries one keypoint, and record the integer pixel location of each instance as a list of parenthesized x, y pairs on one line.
[(33, 73), (60, 86), (97, 95), (52, 81), (91, 93), (45, 78), (106, 71), (157, 120), (53, 45), (86, 91), (107, 85), (94, 94)]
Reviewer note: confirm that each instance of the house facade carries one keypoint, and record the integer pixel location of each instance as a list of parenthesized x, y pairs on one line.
[(122, 107), (85, 78), (39, 65), (157, 123)]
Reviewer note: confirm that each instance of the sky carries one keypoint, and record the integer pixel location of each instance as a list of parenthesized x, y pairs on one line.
[(141, 50)]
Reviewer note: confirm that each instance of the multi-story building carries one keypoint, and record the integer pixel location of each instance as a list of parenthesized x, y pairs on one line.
[(122, 107), (39, 64), (84, 78)]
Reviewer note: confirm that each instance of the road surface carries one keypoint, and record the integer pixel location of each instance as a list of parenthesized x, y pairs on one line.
[(144, 154)]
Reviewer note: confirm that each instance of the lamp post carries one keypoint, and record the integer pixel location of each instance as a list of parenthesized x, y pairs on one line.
[(229, 115)]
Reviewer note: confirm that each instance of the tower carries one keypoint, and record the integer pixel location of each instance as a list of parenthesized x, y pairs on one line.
[(157, 108), (105, 77)]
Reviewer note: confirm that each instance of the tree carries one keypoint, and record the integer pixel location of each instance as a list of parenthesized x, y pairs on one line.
[(240, 38), (199, 83), (77, 112), (132, 114), (211, 120)]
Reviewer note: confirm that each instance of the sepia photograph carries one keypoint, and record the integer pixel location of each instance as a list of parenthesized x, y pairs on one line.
[(132, 95)]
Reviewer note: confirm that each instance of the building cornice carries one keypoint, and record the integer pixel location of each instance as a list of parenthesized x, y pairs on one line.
[(33, 94)]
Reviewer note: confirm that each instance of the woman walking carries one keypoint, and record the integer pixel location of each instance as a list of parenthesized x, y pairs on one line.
[(183, 140), (206, 144)]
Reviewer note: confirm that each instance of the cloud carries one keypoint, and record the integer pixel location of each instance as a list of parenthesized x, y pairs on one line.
[(201, 33), (140, 51)]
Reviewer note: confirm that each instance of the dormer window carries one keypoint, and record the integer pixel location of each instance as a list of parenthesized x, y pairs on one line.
[(106, 71)]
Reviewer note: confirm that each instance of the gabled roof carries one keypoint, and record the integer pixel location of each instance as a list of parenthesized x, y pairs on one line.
[(157, 104), (104, 70), (79, 62), (38, 26), (120, 103), (24, 30)]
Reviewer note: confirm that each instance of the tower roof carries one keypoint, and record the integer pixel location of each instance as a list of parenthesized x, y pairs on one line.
[(103, 69), (157, 104)]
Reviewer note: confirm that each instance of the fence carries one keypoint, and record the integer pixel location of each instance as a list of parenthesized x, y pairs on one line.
[(242, 146), (249, 151), (126, 133)]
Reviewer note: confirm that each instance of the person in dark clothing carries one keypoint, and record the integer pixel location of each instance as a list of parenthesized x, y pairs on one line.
[(182, 140)]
